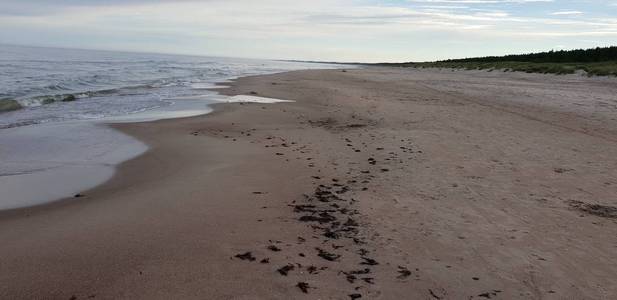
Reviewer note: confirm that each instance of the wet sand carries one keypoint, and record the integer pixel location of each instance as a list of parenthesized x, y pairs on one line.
[(376, 183)]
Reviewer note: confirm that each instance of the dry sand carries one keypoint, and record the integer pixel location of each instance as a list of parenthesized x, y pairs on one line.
[(411, 184)]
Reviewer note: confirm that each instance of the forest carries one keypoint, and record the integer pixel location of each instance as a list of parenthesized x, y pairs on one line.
[(600, 61)]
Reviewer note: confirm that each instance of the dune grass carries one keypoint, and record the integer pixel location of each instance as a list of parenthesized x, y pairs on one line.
[(600, 61), (591, 69)]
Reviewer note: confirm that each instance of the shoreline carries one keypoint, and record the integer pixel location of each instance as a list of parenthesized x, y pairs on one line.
[(436, 189), (57, 178), (117, 126), (60, 160)]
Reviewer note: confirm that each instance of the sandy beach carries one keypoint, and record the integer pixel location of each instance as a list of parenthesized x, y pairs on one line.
[(375, 183)]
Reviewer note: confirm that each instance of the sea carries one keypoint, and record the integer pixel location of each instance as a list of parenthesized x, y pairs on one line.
[(54, 143)]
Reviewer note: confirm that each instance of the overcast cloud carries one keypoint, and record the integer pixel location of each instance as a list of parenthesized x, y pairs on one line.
[(361, 30)]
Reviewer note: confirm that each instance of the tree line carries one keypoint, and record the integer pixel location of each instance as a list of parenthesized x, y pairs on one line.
[(598, 54)]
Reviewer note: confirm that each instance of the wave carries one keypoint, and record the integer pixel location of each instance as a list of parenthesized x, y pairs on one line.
[(54, 85), (9, 105), (19, 124), (74, 96)]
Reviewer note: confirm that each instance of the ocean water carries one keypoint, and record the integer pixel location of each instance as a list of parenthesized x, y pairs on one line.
[(105, 83), (57, 145)]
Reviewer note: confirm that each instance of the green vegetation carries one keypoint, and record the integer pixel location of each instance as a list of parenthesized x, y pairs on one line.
[(598, 68), (9, 105), (597, 61)]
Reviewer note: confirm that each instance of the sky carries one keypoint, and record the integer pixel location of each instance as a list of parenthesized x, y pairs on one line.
[(326, 30)]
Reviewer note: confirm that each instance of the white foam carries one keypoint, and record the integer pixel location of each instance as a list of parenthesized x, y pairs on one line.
[(216, 87), (253, 99), (180, 108)]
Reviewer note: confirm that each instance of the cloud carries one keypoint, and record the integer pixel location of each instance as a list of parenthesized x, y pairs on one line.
[(480, 1), (567, 13), (44, 7), (319, 29), (444, 7)]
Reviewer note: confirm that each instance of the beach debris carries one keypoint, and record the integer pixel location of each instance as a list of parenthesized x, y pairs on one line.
[(326, 122), (369, 280), (562, 170), (434, 295), (360, 272), (404, 272), (246, 256), (304, 208), (323, 217), (78, 195), (599, 210), (330, 214), (274, 248), (489, 295), (369, 261), (330, 234), (284, 270), (343, 190), (327, 255), (265, 261), (350, 278), (350, 222), (303, 286), (438, 293)]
